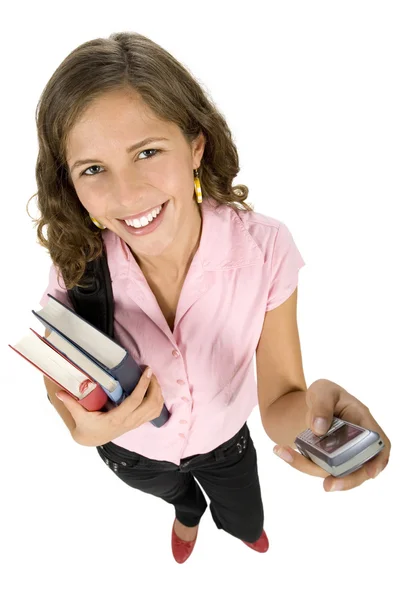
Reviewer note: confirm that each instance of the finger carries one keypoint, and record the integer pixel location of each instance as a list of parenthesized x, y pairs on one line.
[(359, 414), (333, 484), (136, 397), (337, 484), (378, 467), (321, 398), (298, 461), (129, 411), (152, 402), (148, 409)]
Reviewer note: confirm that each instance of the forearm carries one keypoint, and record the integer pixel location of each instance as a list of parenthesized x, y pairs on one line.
[(285, 418)]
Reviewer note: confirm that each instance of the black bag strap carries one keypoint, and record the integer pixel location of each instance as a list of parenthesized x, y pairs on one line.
[(96, 302)]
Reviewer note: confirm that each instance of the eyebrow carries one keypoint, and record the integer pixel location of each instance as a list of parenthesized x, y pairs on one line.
[(148, 140)]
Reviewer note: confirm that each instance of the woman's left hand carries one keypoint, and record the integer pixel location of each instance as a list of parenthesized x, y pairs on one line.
[(325, 399)]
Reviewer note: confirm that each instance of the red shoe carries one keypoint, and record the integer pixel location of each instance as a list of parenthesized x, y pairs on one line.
[(261, 545), (181, 549)]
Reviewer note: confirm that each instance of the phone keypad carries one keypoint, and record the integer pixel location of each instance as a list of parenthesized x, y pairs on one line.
[(336, 423), (309, 437)]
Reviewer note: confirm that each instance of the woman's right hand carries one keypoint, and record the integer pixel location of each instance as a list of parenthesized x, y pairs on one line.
[(95, 428)]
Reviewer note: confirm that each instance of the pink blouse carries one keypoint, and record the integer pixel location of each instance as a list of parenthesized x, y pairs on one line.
[(245, 265)]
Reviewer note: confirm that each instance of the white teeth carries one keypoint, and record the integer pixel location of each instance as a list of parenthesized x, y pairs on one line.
[(143, 221)]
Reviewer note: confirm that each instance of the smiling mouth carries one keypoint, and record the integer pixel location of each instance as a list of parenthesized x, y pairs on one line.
[(145, 219), (143, 213)]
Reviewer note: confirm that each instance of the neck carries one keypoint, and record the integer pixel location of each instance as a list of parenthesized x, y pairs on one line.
[(175, 261)]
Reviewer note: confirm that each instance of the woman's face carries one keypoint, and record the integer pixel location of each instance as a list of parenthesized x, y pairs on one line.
[(116, 182)]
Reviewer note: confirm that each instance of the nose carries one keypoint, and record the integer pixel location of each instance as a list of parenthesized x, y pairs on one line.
[(128, 192)]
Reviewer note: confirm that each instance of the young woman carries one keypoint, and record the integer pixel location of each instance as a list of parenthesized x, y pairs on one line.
[(133, 157)]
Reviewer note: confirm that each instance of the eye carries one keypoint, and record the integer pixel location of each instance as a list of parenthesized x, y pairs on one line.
[(150, 150), (156, 151), (88, 169)]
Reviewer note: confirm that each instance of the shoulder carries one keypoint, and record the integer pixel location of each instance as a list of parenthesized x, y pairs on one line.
[(262, 230), (249, 218), (258, 223)]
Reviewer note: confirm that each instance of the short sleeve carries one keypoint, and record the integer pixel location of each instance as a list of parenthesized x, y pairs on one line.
[(56, 288), (284, 268)]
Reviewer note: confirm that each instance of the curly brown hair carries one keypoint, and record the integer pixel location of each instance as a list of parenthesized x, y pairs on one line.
[(125, 59)]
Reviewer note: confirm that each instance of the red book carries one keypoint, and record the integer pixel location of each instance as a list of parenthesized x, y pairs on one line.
[(47, 359)]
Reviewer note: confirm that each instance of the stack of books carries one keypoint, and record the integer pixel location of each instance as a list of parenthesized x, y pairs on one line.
[(84, 361)]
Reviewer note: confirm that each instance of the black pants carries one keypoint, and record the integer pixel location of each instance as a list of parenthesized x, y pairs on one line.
[(228, 475)]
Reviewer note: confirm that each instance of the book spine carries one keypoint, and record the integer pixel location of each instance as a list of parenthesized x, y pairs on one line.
[(95, 400), (116, 395), (128, 373)]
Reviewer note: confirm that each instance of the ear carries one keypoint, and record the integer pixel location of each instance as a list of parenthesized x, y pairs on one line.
[(198, 146)]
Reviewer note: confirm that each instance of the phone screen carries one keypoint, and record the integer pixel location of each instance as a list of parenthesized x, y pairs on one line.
[(338, 438)]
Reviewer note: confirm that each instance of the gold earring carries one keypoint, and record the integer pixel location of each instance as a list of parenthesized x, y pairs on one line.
[(197, 187), (97, 223)]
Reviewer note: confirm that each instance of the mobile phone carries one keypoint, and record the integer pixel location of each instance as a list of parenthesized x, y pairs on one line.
[(343, 449)]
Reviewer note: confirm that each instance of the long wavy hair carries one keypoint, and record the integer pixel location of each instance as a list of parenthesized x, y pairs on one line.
[(124, 60)]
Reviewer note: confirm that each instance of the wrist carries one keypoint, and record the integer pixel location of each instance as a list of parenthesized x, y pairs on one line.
[(84, 440), (285, 418)]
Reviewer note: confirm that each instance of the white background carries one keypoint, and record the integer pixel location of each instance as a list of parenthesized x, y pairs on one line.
[(311, 93)]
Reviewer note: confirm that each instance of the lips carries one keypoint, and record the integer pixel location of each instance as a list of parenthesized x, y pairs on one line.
[(141, 214), (147, 229)]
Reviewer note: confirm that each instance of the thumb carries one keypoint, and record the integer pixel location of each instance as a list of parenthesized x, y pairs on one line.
[(321, 401)]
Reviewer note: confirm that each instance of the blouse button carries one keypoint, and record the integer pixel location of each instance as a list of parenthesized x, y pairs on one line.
[(182, 435), (185, 399), (181, 382), (183, 422), (175, 353)]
